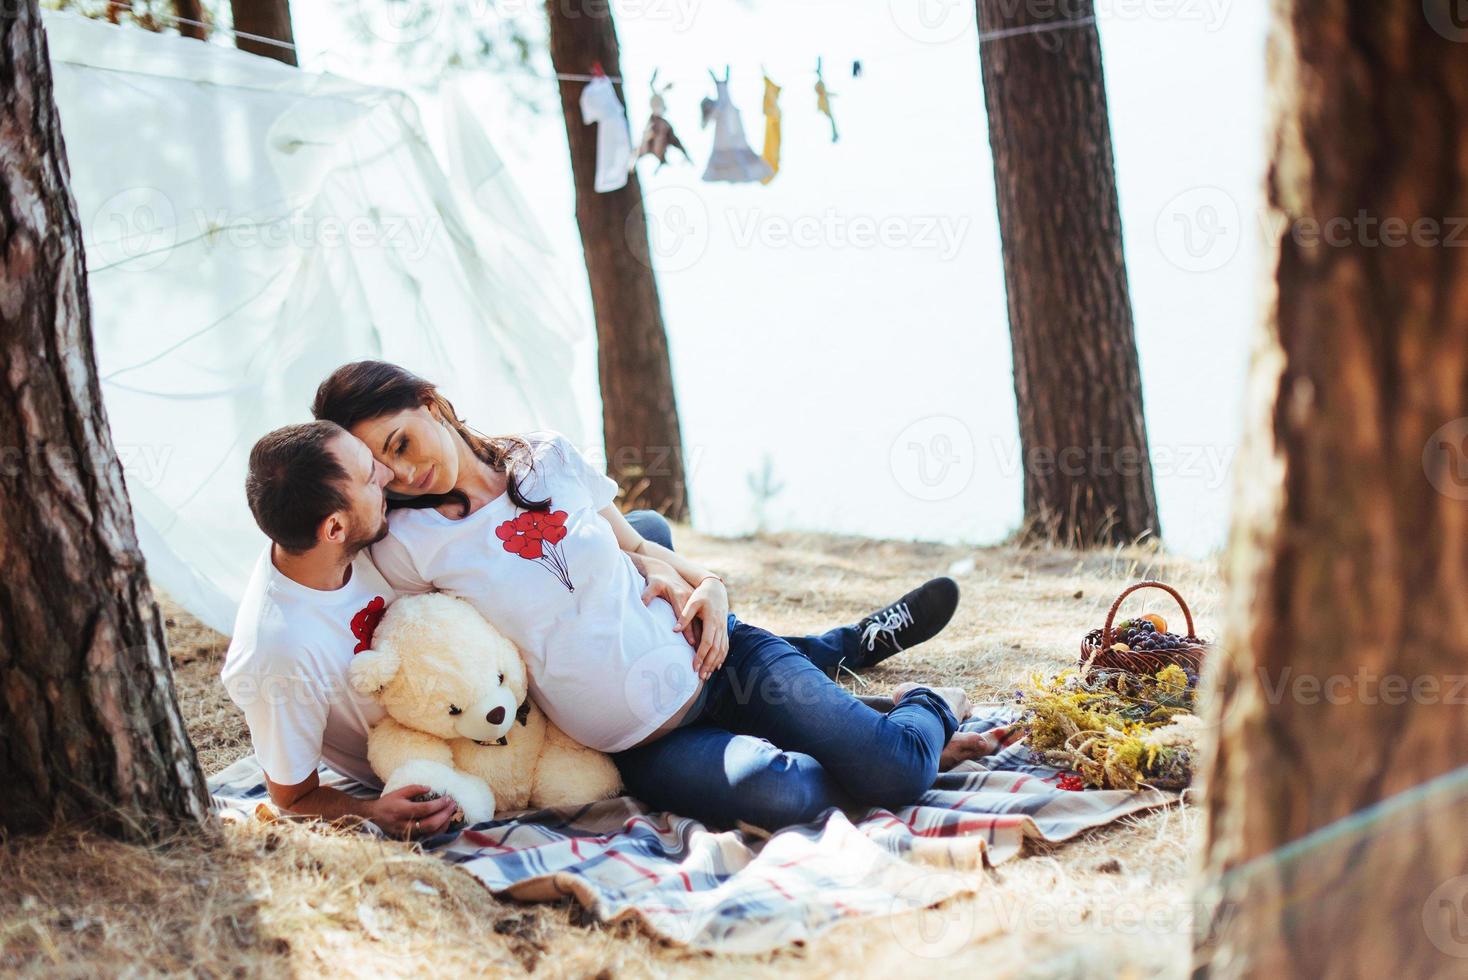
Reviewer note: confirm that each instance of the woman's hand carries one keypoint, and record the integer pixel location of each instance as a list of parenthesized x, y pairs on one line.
[(709, 608), (663, 580)]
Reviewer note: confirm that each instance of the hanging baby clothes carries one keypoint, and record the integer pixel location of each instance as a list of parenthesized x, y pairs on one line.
[(771, 154), (659, 135), (732, 160), (600, 105), (823, 100)]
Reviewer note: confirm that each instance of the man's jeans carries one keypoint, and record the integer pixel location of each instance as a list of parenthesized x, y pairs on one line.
[(779, 742)]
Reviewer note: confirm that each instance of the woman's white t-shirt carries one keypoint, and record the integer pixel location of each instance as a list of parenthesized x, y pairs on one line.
[(606, 668)]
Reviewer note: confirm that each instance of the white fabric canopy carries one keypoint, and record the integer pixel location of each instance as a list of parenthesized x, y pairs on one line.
[(249, 227)]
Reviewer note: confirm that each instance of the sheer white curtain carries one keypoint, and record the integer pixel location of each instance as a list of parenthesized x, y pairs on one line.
[(248, 228)]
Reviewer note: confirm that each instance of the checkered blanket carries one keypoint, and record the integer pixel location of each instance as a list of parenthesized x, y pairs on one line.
[(743, 892)]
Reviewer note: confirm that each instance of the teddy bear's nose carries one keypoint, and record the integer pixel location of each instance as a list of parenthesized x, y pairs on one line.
[(496, 716)]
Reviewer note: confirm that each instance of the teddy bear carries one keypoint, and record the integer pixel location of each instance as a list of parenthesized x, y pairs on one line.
[(459, 719)]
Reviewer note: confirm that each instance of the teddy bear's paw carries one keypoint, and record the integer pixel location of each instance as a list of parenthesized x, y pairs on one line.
[(477, 812), (472, 794), (475, 798)]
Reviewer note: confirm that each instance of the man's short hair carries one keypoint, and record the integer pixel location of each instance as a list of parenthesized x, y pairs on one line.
[(295, 482)]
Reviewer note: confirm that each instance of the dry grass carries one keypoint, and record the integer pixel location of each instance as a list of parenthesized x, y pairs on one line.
[(264, 899)]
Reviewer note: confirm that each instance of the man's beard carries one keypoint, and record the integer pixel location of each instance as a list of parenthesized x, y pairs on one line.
[(356, 542)]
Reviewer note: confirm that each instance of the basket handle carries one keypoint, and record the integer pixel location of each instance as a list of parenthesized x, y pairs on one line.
[(1106, 635)]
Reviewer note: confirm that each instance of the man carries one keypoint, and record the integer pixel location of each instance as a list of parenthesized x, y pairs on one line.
[(317, 494)]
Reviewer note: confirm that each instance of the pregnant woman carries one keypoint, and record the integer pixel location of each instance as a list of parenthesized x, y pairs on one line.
[(631, 647)]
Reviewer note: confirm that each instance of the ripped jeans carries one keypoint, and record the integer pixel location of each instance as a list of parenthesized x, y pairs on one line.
[(778, 742)]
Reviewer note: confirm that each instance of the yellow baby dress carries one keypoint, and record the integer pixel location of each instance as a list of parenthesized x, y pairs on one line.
[(771, 154)]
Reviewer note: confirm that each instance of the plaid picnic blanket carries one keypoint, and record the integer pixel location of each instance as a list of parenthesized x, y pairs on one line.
[(742, 892)]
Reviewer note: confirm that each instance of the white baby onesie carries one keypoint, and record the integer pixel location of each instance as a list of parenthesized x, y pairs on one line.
[(600, 105)]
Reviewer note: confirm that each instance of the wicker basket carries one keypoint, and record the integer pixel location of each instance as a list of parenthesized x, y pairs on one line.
[(1098, 655)]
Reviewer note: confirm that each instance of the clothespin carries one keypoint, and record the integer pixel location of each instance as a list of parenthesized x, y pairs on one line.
[(597, 70)]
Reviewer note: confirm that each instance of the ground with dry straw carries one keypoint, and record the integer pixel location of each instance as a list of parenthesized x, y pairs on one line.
[(259, 899)]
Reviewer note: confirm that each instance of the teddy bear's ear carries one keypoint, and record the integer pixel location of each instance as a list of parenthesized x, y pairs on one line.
[(373, 670)]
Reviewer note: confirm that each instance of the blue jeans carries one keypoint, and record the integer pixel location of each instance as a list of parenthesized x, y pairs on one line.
[(778, 742)]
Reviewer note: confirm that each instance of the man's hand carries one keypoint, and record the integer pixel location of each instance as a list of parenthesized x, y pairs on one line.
[(399, 816), (708, 608), (663, 580)]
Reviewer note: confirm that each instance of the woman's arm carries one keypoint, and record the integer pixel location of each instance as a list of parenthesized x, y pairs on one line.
[(708, 604), (637, 546)]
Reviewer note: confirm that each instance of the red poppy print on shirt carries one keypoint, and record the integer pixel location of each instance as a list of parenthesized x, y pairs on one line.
[(364, 623), (536, 536)]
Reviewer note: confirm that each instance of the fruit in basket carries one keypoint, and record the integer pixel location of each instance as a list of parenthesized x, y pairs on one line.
[(1141, 645)]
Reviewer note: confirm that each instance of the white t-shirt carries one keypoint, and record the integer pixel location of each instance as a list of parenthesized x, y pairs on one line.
[(600, 105), (287, 670), (606, 668)]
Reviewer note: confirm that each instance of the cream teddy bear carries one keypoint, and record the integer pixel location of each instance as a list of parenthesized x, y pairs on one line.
[(459, 718)]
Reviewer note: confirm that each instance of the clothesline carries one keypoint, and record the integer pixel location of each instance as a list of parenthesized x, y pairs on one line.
[(1059, 25), (983, 38)]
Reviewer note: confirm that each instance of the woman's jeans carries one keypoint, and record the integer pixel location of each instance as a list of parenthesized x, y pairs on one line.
[(779, 742)]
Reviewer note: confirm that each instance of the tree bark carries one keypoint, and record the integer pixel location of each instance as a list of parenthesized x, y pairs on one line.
[(639, 412), (190, 10), (1333, 847), (264, 18), (1077, 382), (89, 726)]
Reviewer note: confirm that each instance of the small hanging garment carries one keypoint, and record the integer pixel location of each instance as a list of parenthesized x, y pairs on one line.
[(771, 154), (659, 135), (600, 105), (823, 100), (732, 160)]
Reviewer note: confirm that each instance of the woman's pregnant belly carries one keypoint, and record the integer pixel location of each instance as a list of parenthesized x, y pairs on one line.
[(610, 680)]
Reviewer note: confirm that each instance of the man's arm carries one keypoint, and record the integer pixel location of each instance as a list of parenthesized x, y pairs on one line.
[(394, 812), (287, 712)]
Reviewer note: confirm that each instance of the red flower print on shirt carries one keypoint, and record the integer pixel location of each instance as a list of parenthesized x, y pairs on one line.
[(364, 624), (536, 536)]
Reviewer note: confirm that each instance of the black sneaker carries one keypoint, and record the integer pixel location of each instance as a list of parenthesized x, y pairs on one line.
[(916, 617)]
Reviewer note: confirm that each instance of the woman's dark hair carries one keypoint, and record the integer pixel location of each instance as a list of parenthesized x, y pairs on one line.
[(369, 389)]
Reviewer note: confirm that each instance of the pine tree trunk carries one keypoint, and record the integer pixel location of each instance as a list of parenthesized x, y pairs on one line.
[(265, 18), (190, 10), (1343, 681), (1087, 472), (90, 729), (639, 412)]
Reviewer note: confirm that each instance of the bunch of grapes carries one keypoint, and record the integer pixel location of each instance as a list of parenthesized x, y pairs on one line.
[(1142, 635)]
